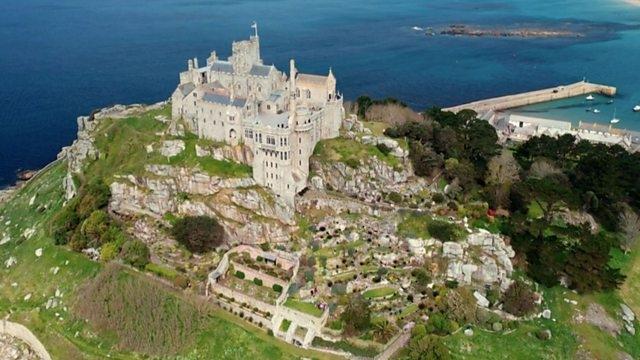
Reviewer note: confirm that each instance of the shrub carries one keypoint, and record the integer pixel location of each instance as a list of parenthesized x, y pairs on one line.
[(428, 347), (352, 163), (198, 233), (339, 289), (438, 198), (109, 251), (356, 315), (135, 253), (115, 235), (519, 299), (78, 241), (460, 305), (394, 197), (384, 149), (443, 230), (95, 226), (181, 281), (239, 274), (257, 281), (277, 288), (93, 196), (63, 223), (438, 324)]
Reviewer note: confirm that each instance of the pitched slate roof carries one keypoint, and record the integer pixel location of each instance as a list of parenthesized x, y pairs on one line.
[(222, 66), (186, 89), (260, 70), (224, 100)]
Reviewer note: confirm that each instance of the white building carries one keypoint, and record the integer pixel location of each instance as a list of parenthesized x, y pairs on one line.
[(280, 118)]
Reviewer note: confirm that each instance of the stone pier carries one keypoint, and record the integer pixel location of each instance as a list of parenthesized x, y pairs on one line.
[(535, 97)]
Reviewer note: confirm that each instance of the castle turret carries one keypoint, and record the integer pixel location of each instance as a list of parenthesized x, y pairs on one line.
[(195, 63), (212, 58)]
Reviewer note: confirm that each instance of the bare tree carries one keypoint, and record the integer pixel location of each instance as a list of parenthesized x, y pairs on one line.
[(392, 114), (630, 226), (503, 171), (542, 168)]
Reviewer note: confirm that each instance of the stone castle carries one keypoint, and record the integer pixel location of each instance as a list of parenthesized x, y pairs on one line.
[(279, 118)]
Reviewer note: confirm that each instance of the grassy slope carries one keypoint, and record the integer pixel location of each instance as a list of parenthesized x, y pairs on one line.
[(224, 336), (122, 144)]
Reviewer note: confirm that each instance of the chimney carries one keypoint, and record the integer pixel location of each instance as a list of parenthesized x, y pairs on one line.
[(195, 63), (190, 64)]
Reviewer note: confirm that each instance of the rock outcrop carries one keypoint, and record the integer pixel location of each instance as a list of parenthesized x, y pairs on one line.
[(482, 259), (248, 213), (368, 182)]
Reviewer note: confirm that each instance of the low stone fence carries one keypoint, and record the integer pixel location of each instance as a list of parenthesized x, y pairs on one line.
[(256, 319), (242, 298), (22, 333)]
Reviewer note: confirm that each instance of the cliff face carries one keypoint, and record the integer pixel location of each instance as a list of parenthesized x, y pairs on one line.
[(369, 182), (248, 213)]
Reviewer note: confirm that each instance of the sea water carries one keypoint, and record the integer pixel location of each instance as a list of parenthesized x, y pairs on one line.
[(60, 59)]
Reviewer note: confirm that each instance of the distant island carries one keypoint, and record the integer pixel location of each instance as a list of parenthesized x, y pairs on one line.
[(464, 30)]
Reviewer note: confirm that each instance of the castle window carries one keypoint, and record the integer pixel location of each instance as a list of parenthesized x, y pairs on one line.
[(308, 94), (268, 107), (231, 118), (259, 89)]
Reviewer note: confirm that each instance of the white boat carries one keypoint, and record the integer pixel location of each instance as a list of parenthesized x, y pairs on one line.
[(596, 111), (614, 120), (590, 98), (636, 108), (417, 28)]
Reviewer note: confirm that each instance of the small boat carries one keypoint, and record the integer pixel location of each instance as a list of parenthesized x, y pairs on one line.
[(596, 111), (590, 98), (417, 28), (614, 120), (610, 101), (636, 108)]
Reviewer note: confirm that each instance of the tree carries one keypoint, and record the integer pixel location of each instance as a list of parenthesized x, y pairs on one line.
[(383, 330), (428, 347), (630, 228), (425, 161), (198, 233), (356, 315), (519, 299), (503, 170)]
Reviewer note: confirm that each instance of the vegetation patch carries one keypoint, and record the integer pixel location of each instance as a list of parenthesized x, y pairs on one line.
[(379, 292), (145, 316), (198, 233), (302, 306)]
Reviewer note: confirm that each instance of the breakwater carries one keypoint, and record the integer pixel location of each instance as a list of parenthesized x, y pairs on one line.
[(535, 97)]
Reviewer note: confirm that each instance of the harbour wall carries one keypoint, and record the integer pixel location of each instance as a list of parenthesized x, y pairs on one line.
[(535, 97)]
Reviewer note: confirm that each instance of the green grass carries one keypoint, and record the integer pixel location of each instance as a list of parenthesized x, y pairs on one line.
[(379, 292), (284, 325), (414, 225), (305, 307), (410, 309), (351, 152), (162, 271), (535, 210), (122, 145)]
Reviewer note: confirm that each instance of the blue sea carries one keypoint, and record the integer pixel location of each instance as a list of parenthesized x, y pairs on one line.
[(60, 59)]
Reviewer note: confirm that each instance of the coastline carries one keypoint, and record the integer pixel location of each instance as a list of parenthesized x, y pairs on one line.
[(633, 2)]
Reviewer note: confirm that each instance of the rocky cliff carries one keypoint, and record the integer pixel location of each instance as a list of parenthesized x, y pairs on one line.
[(248, 213)]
